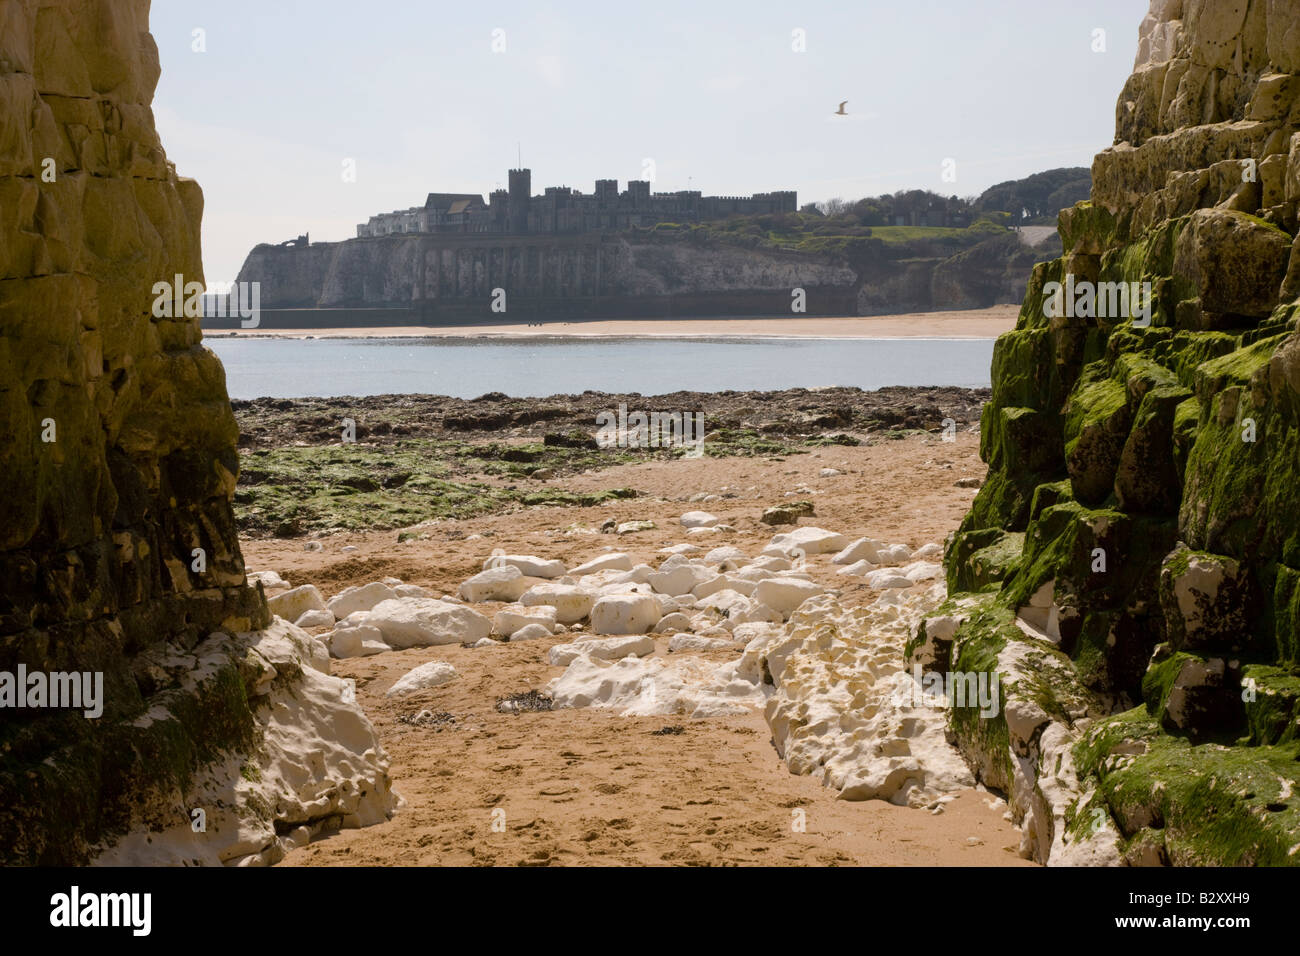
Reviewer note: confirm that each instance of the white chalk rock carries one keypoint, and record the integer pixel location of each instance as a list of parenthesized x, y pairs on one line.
[(894, 554), (829, 472), (748, 631), (857, 569), (864, 549), (571, 603), (530, 632), (637, 575), (513, 617), (294, 603), (423, 677), (675, 579), (722, 600), (615, 561), (683, 548), (669, 604), (724, 582), (270, 579), (411, 590), (810, 540), (676, 621), (727, 558), (919, 571), (498, 584), (769, 562), (602, 649), (315, 618), (930, 550), (887, 578), (360, 640), (361, 598), (624, 614), (527, 564), (753, 613), (698, 519), (698, 642), (783, 595), (716, 633), (419, 622), (753, 574)]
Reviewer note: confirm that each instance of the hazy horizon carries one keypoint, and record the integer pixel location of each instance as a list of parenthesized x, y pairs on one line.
[(718, 99)]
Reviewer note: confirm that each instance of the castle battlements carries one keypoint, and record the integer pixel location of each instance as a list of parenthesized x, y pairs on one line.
[(566, 210)]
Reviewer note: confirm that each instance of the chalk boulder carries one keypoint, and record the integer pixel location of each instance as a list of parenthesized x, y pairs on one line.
[(424, 677), (784, 595), (809, 540), (864, 549), (360, 640), (699, 519), (496, 584), (601, 649), (614, 561), (683, 578), (294, 603), (361, 598), (571, 603), (315, 618), (625, 614), (515, 617), (531, 632), (420, 622)]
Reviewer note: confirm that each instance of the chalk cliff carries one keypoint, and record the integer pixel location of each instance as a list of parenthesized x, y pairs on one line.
[(1132, 563), (118, 549), (629, 274)]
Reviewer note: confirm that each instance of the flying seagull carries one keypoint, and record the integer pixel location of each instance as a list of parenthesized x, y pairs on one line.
[(840, 111)]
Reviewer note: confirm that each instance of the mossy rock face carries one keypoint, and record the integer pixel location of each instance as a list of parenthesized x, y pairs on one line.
[(1086, 229), (1286, 614), (1194, 696), (1271, 701), (983, 558), (1114, 647), (1240, 497), (1147, 479), (1208, 600), (983, 742), (1205, 804), (1235, 261), (1113, 436), (1026, 445), (1096, 426)]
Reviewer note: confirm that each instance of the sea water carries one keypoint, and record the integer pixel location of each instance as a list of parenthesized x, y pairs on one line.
[(539, 366)]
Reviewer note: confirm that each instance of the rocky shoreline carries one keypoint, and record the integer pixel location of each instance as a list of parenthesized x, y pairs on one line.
[(406, 459)]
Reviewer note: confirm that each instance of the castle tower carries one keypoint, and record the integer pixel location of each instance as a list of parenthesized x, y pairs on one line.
[(521, 192)]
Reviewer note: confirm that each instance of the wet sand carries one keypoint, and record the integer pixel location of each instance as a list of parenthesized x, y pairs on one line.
[(973, 324)]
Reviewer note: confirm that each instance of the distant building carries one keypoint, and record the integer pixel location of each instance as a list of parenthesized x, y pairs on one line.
[(563, 210)]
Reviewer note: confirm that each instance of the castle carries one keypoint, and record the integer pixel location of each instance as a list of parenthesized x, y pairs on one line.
[(561, 209)]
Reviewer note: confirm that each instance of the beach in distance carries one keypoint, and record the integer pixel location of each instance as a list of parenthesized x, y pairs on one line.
[(972, 324)]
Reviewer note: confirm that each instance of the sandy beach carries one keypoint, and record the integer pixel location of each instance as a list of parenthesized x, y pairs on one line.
[(588, 786), (973, 324)]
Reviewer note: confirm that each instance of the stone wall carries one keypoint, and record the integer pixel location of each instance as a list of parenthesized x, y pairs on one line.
[(118, 549), (1132, 563)]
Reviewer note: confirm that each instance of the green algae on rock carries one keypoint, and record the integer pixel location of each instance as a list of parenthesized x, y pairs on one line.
[(118, 546), (1141, 516)]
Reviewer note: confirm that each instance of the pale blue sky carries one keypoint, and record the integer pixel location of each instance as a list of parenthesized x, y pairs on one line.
[(711, 91)]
